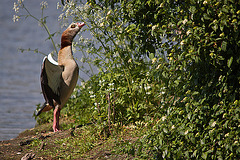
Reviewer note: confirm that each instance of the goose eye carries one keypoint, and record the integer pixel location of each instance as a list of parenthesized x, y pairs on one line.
[(73, 25)]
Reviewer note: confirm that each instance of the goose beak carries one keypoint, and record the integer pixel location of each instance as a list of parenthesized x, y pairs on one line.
[(80, 25)]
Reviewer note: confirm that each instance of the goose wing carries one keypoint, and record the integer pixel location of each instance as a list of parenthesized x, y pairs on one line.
[(51, 79)]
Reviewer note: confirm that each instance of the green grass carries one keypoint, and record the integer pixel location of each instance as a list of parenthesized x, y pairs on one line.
[(84, 142)]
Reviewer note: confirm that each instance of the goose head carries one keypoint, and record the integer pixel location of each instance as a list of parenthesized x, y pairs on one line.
[(69, 34)]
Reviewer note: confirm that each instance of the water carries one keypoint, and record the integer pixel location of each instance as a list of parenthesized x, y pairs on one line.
[(19, 72)]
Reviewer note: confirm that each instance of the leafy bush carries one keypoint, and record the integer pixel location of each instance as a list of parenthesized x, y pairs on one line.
[(200, 110), (172, 64)]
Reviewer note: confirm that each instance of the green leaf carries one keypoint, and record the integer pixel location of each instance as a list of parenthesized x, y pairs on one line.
[(215, 27), (165, 130), (224, 9), (192, 9), (229, 62), (195, 93), (165, 74), (224, 45), (151, 49), (194, 153), (206, 16), (151, 55), (176, 82), (130, 28), (204, 155)]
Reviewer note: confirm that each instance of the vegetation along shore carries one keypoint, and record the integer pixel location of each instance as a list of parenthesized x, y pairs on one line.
[(167, 84)]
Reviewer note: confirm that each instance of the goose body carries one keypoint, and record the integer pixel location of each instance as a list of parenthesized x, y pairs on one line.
[(58, 79)]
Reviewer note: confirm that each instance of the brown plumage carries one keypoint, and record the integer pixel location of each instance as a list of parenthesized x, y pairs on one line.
[(58, 79)]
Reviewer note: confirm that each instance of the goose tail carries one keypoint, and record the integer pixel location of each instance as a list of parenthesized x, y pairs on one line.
[(45, 107)]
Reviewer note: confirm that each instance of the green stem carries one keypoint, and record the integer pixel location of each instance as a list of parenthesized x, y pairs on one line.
[(44, 25), (46, 28), (130, 77)]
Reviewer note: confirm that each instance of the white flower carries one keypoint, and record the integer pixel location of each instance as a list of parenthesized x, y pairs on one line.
[(60, 17), (111, 84), (188, 32), (182, 42), (161, 5), (226, 135), (83, 84), (58, 5), (162, 92), (172, 127), (184, 21), (154, 27), (147, 87), (101, 82), (213, 124), (67, 13), (101, 24), (164, 118), (205, 2), (15, 18), (109, 12), (43, 4), (90, 92), (20, 1), (158, 66), (211, 131), (186, 132), (154, 60), (15, 7), (92, 96)]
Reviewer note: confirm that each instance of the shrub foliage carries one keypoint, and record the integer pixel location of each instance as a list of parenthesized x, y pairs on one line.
[(170, 63)]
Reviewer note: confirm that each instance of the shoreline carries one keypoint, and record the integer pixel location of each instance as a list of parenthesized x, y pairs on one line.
[(84, 142)]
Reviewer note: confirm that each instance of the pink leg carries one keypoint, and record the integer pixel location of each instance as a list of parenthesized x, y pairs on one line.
[(56, 114)]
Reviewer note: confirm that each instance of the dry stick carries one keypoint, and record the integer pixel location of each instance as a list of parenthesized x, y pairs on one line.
[(109, 113), (113, 107), (42, 145), (98, 108)]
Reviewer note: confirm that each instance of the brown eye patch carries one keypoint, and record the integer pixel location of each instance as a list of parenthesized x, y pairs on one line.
[(73, 25)]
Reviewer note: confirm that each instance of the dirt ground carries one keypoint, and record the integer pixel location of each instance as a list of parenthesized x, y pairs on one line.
[(38, 144), (18, 147)]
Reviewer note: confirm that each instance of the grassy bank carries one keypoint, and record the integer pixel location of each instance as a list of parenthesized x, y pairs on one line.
[(169, 65), (82, 142)]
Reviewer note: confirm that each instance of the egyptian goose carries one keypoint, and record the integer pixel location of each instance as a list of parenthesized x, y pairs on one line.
[(58, 79)]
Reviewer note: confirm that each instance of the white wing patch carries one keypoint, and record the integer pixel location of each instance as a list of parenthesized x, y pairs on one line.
[(54, 73), (50, 58)]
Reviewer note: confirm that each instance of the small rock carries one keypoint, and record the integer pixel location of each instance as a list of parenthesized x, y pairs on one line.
[(28, 156), (27, 142)]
